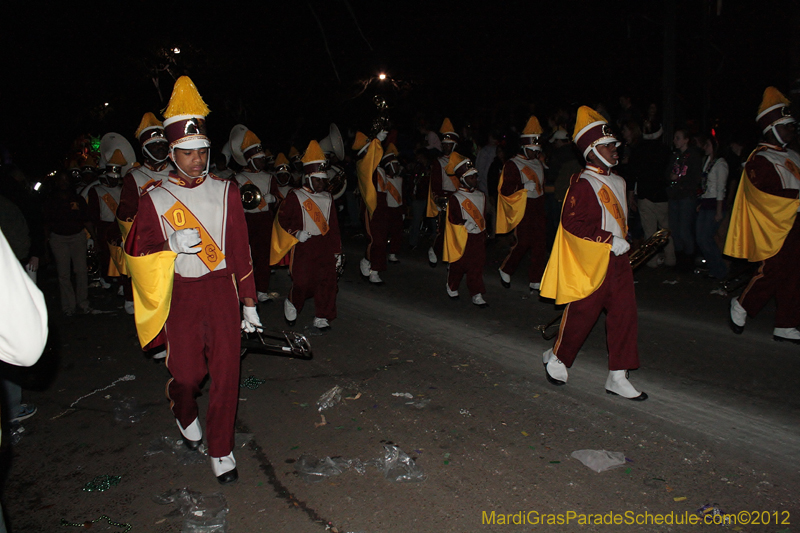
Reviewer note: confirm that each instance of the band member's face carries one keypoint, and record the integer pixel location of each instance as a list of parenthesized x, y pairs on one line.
[(531, 153), (159, 149), (609, 152), (472, 181), (191, 162), (448, 147), (283, 178), (259, 163), (786, 131), (318, 184)]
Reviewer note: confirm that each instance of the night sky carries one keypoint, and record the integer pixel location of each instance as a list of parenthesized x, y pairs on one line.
[(265, 64)]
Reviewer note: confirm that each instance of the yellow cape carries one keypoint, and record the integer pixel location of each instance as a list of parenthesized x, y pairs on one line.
[(455, 240), (365, 167), (281, 242), (116, 264), (432, 209), (510, 209), (124, 228), (759, 222), (152, 277), (577, 268)]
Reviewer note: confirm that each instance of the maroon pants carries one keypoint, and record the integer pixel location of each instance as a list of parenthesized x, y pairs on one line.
[(259, 233), (395, 228), (313, 271), (778, 276), (377, 235), (470, 264), (438, 243), (529, 235), (203, 337), (617, 297)]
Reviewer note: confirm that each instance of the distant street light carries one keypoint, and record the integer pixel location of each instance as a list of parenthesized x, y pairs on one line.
[(106, 104), (381, 76), (176, 50)]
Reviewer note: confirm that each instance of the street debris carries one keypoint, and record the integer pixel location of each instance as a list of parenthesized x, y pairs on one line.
[(128, 410), (252, 383), (403, 395), (599, 460), (330, 398), (419, 404), (395, 465), (102, 483), (89, 523), (322, 422), (714, 510), (670, 282), (201, 514)]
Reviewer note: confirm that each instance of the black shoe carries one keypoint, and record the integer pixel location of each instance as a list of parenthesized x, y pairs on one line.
[(735, 327), (432, 264), (192, 444), (642, 397), (290, 322), (504, 284), (456, 297), (231, 476)]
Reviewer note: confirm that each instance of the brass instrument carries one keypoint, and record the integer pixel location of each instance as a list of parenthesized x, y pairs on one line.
[(251, 195), (286, 343), (337, 181), (340, 266), (92, 263), (441, 203), (647, 250), (381, 122)]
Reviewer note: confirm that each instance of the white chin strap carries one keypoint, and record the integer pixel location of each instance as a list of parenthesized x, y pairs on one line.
[(151, 156), (778, 136), (202, 175), (603, 159)]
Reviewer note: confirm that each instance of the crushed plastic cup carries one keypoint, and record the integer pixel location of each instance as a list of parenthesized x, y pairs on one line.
[(201, 514), (330, 398), (176, 447), (397, 466), (313, 470), (599, 460), (127, 410)]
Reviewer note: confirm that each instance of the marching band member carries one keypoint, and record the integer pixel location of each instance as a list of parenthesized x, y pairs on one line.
[(296, 162), (190, 261), (393, 181), (139, 180), (307, 227), (521, 207), (103, 199), (247, 150), (283, 176), (465, 231), (441, 186), (372, 184), (764, 223), (589, 269)]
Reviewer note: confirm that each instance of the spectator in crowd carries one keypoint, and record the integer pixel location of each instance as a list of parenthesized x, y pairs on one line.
[(710, 205), (647, 188), (684, 171)]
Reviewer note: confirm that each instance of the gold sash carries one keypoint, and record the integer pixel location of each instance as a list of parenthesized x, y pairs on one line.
[(532, 176), (391, 189), (179, 217), (611, 203), (316, 215), (110, 202), (474, 212)]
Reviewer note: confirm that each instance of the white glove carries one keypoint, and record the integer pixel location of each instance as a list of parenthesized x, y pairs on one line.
[(619, 246), (269, 198), (185, 241), (338, 261), (250, 322), (381, 136), (471, 226), (530, 186), (302, 235)]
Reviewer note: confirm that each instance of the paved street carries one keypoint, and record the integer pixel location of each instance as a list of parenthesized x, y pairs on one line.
[(720, 427)]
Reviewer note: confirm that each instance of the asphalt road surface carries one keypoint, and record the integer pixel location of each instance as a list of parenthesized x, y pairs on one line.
[(489, 437)]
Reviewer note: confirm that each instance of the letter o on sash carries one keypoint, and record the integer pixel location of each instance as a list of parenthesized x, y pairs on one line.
[(179, 217)]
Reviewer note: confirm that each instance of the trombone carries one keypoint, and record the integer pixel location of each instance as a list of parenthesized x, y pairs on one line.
[(285, 343)]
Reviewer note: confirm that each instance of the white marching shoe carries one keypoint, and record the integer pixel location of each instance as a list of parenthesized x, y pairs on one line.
[(617, 383), (289, 312), (393, 258), (738, 316), (452, 294), (264, 297), (129, 307), (374, 278), (479, 301), (432, 259), (554, 369), (534, 286), (505, 279), (192, 434), (364, 265), (160, 355), (225, 469), (786, 334), (321, 324)]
